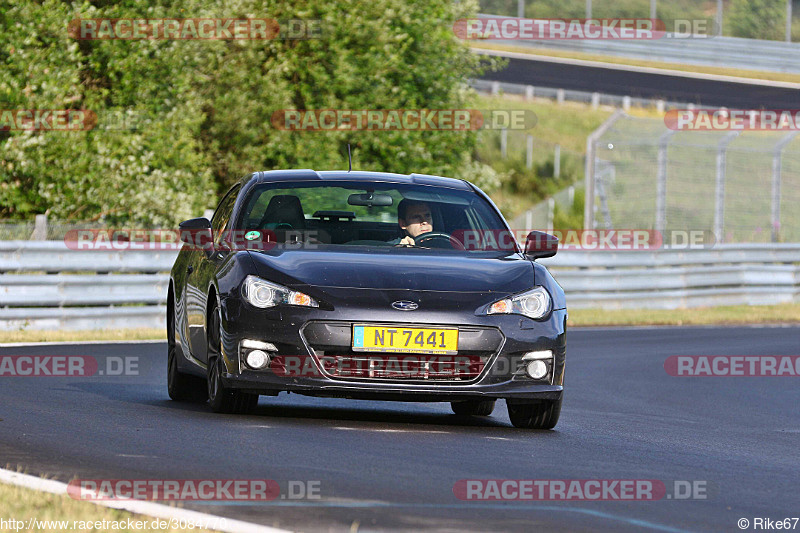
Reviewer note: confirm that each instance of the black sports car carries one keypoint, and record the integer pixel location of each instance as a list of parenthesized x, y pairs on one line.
[(365, 285)]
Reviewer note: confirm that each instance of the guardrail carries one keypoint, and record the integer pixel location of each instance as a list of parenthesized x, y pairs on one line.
[(595, 99), (741, 274), (726, 52), (45, 285)]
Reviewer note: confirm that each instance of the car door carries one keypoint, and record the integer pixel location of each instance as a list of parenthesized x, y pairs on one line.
[(200, 272)]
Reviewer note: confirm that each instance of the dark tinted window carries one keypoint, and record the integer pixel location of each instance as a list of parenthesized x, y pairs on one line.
[(343, 213)]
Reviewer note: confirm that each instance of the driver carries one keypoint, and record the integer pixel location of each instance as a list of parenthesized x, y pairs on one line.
[(414, 218)]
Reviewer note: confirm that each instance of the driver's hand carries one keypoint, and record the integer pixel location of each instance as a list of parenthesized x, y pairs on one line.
[(407, 241)]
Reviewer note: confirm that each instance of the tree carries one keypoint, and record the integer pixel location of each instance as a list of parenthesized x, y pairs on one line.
[(202, 109)]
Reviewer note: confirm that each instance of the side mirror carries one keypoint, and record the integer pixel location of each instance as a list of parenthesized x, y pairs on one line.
[(540, 244), (197, 232)]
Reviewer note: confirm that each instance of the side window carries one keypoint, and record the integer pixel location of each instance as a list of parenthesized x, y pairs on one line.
[(222, 216)]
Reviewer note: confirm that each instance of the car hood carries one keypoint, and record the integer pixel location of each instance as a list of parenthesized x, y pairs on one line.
[(413, 270)]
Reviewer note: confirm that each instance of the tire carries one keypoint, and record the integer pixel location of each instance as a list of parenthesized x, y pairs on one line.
[(473, 407), (223, 399), (181, 387), (540, 415)]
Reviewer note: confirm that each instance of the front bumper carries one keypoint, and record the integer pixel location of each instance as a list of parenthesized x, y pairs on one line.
[(506, 339)]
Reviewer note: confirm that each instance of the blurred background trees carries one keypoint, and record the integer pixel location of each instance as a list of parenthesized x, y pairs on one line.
[(181, 120)]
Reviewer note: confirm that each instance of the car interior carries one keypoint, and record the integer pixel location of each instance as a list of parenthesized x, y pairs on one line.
[(284, 216)]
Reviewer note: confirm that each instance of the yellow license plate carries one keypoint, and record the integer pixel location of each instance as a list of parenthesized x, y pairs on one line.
[(405, 340)]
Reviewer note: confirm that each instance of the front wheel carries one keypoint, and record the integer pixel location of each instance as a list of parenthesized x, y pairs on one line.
[(540, 415), (180, 387), (223, 399)]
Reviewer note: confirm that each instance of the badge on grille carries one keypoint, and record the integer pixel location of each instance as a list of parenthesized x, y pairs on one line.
[(404, 305)]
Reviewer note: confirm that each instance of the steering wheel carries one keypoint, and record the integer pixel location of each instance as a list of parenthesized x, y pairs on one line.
[(435, 239)]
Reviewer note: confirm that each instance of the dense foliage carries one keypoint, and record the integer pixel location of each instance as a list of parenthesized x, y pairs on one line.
[(196, 114), (757, 19)]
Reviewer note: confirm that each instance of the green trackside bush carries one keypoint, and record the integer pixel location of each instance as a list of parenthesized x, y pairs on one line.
[(756, 19), (203, 108), (572, 217), (154, 174)]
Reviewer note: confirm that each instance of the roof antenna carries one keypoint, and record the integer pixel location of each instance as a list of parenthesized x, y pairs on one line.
[(349, 159)]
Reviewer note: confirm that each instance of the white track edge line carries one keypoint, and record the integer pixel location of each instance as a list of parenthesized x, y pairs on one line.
[(634, 68), (156, 510)]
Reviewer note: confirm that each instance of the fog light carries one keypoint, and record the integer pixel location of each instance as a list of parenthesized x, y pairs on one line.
[(537, 369), (544, 354), (257, 359), (259, 345)]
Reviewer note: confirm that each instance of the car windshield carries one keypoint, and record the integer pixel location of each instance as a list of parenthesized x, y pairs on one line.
[(320, 215)]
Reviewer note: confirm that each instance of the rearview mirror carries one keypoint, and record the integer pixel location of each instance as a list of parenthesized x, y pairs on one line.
[(370, 199), (197, 232), (540, 244)]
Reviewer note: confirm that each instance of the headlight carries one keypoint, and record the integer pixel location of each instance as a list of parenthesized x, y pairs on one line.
[(262, 293), (534, 303)]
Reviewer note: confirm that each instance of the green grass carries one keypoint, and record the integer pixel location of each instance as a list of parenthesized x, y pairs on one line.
[(84, 335), (691, 169), (24, 504), (740, 314), (632, 147), (723, 315), (567, 125)]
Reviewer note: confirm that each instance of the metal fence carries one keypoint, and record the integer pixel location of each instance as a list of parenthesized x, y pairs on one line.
[(541, 216), (715, 51), (45, 285), (743, 187), (722, 52), (43, 228), (594, 99), (743, 274)]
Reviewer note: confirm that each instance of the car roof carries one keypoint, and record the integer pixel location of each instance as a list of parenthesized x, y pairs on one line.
[(343, 175)]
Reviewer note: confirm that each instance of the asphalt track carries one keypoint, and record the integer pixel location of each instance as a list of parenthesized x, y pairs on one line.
[(392, 466), (676, 88)]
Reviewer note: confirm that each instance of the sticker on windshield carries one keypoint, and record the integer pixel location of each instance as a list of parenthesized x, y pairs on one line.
[(252, 235)]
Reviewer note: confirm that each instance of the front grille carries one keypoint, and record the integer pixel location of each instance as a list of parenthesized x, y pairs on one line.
[(402, 366), (331, 344)]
